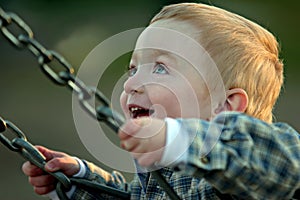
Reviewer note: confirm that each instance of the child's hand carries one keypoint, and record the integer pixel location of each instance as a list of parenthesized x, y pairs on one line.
[(42, 182), (145, 138)]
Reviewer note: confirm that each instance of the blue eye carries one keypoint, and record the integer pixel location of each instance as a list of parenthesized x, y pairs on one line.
[(160, 69), (132, 71)]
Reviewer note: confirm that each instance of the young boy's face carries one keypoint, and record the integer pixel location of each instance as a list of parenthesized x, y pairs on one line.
[(162, 81)]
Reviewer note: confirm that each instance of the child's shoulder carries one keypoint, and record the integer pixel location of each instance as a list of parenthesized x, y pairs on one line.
[(242, 122)]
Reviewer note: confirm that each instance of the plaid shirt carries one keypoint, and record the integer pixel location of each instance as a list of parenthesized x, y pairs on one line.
[(251, 159)]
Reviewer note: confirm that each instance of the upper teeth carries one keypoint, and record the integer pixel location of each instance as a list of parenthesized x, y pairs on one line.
[(135, 109)]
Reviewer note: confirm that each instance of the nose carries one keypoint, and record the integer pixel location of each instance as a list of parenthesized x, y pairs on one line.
[(134, 84)]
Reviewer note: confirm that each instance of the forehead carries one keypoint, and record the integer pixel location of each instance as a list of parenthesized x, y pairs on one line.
[(170, 37), (182, 27), (167, 36)]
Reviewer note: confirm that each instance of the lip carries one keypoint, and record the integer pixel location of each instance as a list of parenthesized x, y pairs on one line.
[(137, 111)]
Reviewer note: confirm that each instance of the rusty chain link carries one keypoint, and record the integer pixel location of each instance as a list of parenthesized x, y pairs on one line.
[(65, 77)]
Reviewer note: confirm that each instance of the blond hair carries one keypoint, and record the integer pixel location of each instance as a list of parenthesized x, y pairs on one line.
[(245, 53)]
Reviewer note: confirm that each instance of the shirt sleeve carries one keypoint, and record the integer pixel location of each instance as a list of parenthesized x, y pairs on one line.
[(100, 176), (176, 145), (242, 156), (82, 170)]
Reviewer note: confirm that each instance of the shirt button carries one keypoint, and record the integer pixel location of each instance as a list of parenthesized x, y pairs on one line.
[(204, 160)]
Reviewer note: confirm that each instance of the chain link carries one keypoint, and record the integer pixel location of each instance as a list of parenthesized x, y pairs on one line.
[(8, 19), (65, 77), (27, 150), (17, 132), (31, 153)]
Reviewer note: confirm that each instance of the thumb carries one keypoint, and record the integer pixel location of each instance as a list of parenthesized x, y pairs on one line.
[(49, 154), (67, 165), (59, 161), (53, 165)]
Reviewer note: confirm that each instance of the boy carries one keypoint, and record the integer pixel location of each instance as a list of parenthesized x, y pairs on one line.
[(182, 119)]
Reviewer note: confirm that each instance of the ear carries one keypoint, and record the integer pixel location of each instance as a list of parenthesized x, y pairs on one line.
[(236, 100)]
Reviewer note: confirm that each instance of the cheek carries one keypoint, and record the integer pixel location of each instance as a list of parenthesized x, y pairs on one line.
[(180, 99), (164, 101)]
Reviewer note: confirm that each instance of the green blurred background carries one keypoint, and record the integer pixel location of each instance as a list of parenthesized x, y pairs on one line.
[(43, 110)]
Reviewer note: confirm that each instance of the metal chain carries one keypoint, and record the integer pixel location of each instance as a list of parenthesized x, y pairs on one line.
[(31, 153), (64, 77), (64, 73), (28, 151)]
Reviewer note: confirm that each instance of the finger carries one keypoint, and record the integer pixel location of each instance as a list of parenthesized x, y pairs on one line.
[(147, 159), (129, 129), (49, 154), (43, 190), (130, 144), (42, 181), (143, 121), (68, 165), (31, 170), (141, 152), (137, 153)]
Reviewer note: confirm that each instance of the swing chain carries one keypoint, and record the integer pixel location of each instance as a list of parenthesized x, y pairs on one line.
[(20, 145), (66, 77), (28, 151), (59, 70)]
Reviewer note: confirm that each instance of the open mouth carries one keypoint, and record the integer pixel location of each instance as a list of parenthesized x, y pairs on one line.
[(138, 111)]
